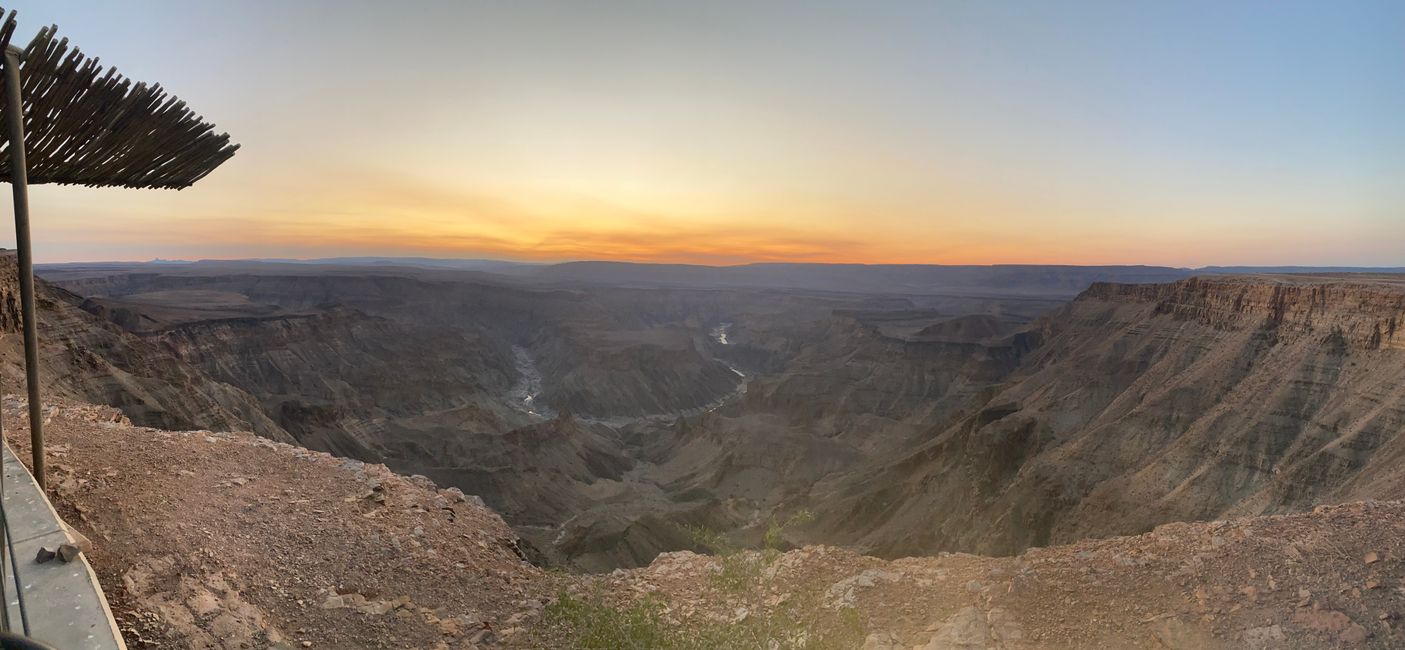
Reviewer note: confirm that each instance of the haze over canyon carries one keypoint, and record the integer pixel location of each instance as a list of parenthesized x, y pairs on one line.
[(606, 408)]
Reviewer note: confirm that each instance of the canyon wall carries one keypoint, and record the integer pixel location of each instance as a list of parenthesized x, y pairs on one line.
[(1364, 311), (85, 357), (1199, 399)]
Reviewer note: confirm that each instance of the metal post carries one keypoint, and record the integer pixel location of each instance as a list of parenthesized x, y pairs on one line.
[(19, 181)]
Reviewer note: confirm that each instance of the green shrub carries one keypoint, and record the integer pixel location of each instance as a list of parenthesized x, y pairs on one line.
[(589, 623), (799, 622)]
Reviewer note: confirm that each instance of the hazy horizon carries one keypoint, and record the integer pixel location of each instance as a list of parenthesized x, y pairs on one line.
[(353, 259), (1088, 133)]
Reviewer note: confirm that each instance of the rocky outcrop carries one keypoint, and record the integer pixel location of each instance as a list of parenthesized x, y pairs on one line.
[(973, 328), (1361, 311)]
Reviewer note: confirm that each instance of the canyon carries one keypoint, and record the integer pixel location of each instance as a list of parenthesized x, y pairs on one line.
[(609, 411)]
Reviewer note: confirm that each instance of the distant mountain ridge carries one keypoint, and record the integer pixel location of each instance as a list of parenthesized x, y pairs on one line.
[(1042, 280), (1008, 279)]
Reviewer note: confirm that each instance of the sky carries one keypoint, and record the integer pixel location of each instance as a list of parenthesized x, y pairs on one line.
[(1172, 133)]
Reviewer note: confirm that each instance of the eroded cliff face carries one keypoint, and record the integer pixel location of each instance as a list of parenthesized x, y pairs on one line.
[(84, 357), (1362, 311), (342, 381), (602, 354), (1194, 400)]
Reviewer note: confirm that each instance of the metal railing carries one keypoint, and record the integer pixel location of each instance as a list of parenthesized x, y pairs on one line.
[(10, 577), (9, 567)]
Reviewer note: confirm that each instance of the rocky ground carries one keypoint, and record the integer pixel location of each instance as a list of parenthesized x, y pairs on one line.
[(1330, 578), (219, 540)]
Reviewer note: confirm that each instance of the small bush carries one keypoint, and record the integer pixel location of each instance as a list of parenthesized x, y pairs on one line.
[(775, 532), (799, 622), (589, 623)]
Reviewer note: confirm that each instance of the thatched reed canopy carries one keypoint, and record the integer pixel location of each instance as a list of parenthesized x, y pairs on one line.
[(84, 126)]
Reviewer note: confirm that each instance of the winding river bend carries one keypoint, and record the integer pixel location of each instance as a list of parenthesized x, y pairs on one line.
[(525, 394), (719, 333), (528, 389)]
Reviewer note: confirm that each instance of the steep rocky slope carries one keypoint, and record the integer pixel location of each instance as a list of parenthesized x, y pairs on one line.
[(535, 475), (214, 540), (1147, 404), (86, 357), (964, 329), (340, 380)]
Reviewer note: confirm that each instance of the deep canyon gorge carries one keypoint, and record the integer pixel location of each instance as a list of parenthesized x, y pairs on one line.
[(607, 409)]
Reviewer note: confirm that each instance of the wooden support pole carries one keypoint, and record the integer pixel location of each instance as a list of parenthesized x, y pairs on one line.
[(19, 182)]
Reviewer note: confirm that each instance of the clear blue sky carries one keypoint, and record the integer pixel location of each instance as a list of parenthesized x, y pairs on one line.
[(1182, 133)]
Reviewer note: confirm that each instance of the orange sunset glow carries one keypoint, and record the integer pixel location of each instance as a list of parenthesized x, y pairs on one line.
[(902, 133)]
